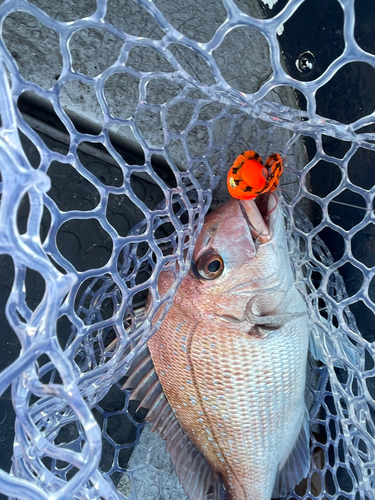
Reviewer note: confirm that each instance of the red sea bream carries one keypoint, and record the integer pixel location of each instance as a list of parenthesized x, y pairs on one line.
[(226, 384)]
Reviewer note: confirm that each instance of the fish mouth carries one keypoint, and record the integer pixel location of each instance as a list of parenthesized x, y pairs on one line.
[(261, 214)]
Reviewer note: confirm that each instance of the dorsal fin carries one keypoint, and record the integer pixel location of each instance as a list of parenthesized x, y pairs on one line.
[(141, 365), (297, 464), (195, 474)]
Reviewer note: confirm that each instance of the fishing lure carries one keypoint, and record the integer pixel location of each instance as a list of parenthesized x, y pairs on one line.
[(248, 177)]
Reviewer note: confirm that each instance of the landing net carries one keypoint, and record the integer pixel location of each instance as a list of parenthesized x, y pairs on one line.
[(187, 94)]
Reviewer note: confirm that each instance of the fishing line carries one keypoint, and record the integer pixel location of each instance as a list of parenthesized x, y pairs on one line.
[(332, 201)]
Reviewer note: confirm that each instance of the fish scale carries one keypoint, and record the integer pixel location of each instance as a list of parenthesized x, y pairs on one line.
[(244, 413), (235, 387)]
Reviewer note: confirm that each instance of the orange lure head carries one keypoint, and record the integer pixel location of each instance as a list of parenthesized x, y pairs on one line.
[(248, 177)]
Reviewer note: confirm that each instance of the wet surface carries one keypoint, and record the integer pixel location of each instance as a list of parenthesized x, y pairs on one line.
[(84, 244), (9, 351), (313, 38)]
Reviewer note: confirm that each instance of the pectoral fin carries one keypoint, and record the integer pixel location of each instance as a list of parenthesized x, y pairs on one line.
[(296, 465), (335, 343), (273, 321)]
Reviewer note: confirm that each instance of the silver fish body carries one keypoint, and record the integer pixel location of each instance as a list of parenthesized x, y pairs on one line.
[(231, 355)]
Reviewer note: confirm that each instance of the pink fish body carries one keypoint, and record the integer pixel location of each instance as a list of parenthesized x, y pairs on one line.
[(231, 358)]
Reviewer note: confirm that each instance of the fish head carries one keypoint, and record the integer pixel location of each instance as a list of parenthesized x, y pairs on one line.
[(240, 254)]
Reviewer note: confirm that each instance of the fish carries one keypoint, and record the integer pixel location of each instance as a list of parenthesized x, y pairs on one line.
[(224, 376)]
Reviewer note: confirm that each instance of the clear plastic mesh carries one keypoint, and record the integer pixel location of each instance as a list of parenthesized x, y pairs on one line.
[(187, 95)]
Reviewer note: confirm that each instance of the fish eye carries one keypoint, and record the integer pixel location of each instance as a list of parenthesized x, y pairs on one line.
[(209, 266)]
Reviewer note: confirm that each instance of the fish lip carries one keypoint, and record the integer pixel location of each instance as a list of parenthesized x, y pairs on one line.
[(261, 215)]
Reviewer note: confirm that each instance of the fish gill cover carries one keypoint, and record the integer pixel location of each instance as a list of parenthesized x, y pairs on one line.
[(188, 97)]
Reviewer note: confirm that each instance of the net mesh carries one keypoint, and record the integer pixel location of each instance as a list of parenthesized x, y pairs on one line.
[(187, 95)]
